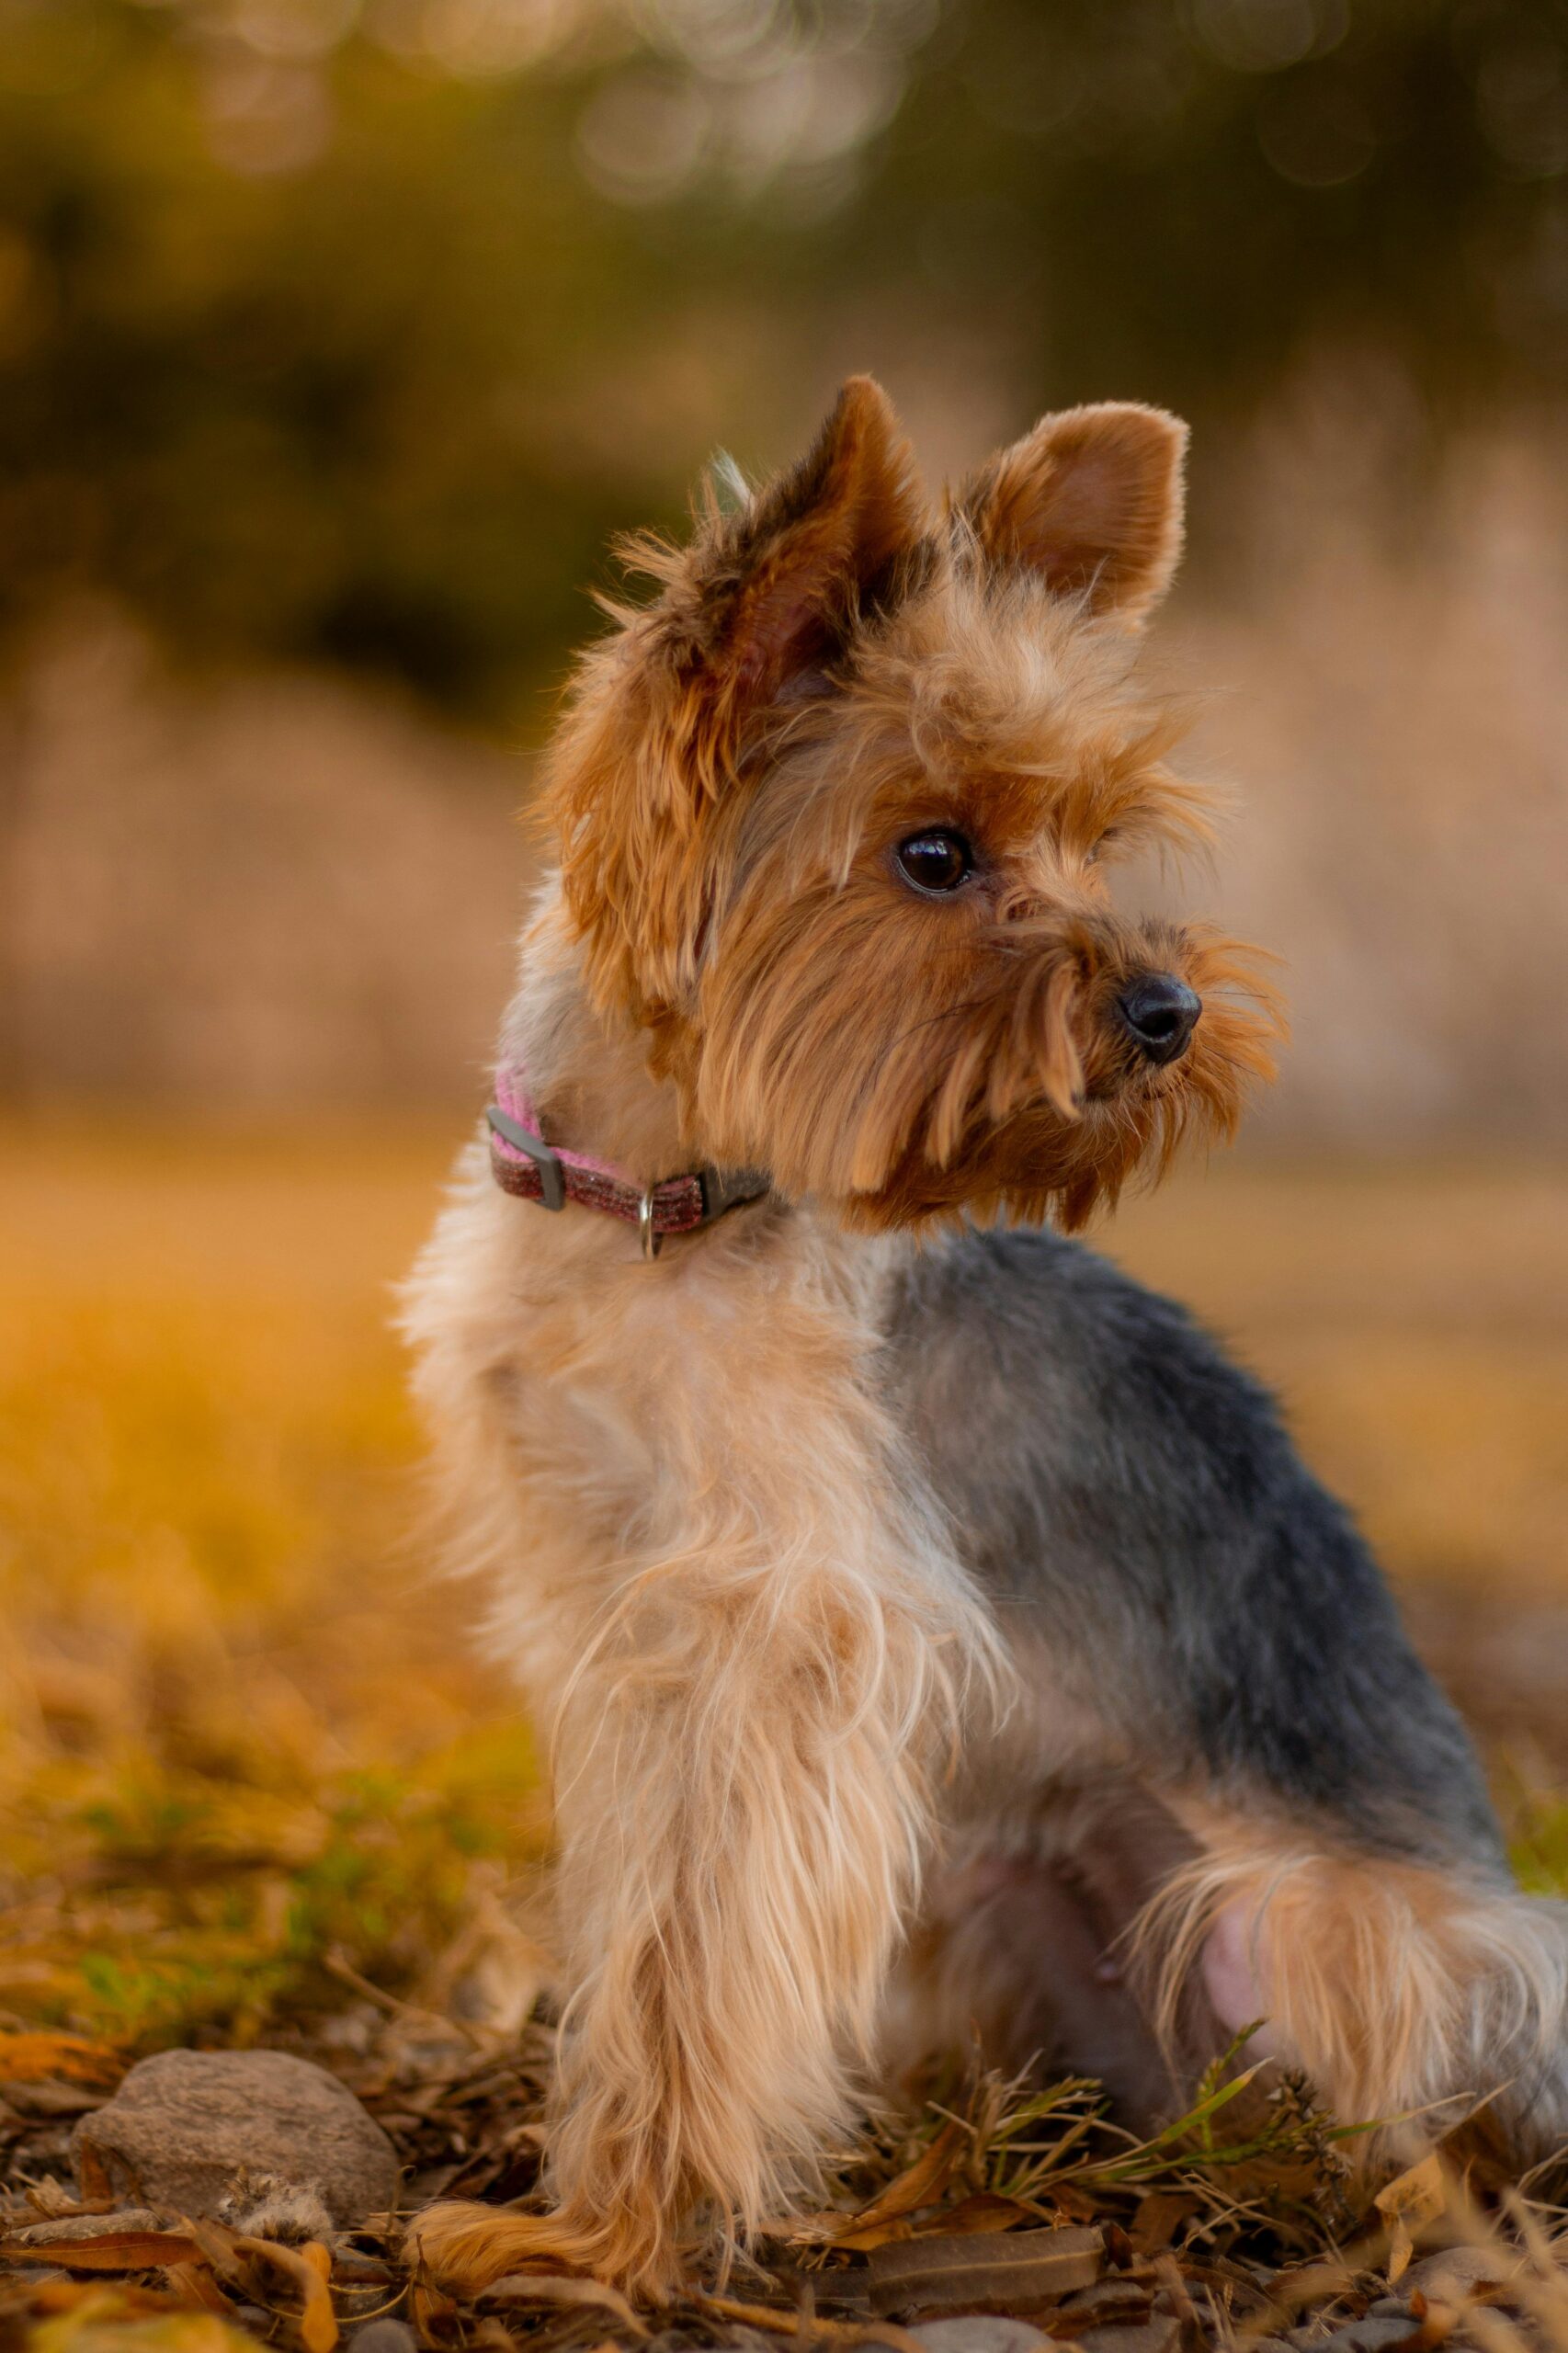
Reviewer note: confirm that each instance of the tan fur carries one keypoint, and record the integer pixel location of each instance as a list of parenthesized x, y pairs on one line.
[(1405, 1994), (744, 1630), (727, 1591)]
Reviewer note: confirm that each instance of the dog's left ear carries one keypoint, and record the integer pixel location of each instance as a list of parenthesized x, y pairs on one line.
[(1091, 500), (781, 581)]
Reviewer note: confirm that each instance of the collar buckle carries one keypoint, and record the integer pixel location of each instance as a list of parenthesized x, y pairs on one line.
[(551, 1176)]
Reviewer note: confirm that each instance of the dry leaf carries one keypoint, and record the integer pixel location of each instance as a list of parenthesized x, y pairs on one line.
[(1418, 2196), (548, 2287), (196, 2283), (1159, 2217), (977, 2216), (431, 2310), (112, 2251), (1413, 2198), (1013, 2273), (921, 2184), (318, 2321), (58, 2058), (820, 2330)]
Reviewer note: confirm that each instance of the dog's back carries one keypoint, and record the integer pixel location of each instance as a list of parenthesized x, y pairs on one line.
[(1136, 1513)]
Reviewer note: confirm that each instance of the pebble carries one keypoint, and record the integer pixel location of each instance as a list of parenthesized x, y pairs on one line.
[(981, 2333), (384, 2337), (1161, 2333), (217, 2133), (1455, 2273), (1371, 2334)]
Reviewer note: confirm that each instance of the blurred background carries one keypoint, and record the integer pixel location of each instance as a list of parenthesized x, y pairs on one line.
[(337, 338)]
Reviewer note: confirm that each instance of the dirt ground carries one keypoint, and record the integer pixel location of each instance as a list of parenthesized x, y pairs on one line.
[(255, 1787)]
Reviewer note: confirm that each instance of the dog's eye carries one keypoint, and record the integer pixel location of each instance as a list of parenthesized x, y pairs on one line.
[(936, 862)]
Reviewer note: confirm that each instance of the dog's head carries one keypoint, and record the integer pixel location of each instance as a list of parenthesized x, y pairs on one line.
[(834, 811)]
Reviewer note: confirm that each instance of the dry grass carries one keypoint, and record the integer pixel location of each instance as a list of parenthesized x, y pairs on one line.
[(251, 1785)]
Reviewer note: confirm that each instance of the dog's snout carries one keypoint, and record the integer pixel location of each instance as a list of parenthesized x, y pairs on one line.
[(1161, 1013)]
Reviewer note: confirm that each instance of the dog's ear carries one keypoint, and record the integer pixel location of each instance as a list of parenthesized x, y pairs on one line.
[(1092, 501), (780, 582), (759, 605)]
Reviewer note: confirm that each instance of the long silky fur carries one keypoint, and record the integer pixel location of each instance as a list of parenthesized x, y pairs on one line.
[(723, 1582), (1409, 1996)]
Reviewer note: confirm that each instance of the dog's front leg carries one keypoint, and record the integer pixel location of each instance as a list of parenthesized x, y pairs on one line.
[(743, 1758)]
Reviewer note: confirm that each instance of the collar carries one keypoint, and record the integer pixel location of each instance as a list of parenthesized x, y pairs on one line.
[(523, 1164)]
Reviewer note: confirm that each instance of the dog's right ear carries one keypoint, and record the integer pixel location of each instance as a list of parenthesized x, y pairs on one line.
[(778, 583), (764, 598)]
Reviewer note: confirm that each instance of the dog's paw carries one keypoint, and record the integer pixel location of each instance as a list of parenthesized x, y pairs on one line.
[(466, 2248)]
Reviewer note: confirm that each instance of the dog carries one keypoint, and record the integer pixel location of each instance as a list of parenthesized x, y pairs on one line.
[(931, 1624)]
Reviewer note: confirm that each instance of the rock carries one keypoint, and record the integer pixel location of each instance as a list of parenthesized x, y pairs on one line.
[(981, 2333), (384, 2337), (1457, 2273), (1370, 2335), (1161, 2333), (219, 2133)]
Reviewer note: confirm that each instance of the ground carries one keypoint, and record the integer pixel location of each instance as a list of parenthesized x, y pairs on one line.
[(254, 1788)]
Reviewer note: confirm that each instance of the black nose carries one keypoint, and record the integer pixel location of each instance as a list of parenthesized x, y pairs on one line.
[(1162, 1013)]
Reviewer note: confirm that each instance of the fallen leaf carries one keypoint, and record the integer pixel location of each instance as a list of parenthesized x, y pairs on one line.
[(1109, 2304), (977, 2216), (1011, 2273), (318, 2321), (921, 2184), (195, 2284), (548, 2288), (1414, 2197), (30, 2058), (820, 2330), (111, 2251), (1159, 2217)]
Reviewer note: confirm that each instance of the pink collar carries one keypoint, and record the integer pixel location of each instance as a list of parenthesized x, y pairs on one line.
[(522, 1163)]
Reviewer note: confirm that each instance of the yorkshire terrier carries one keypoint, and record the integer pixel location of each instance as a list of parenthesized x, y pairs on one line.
[(932, 1624)]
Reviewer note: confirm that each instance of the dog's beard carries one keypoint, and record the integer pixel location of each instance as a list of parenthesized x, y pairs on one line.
[(1006, 1086), (1049, 1109), (1040, 1163)]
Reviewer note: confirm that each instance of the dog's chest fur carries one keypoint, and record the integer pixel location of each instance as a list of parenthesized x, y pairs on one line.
[(630, 1406)]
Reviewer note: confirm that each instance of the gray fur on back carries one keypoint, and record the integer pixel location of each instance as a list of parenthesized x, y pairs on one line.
[(1129, 1497)]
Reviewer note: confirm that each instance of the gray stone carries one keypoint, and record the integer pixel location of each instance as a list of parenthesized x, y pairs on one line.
[(215, 2132), (1161, 2333), (1370, 2335), (979, 2333), (1456, 2273), (384, 2337)]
